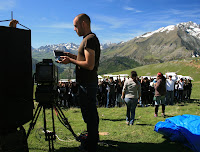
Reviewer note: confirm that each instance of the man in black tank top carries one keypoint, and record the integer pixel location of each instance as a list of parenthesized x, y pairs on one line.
[(87, 62)]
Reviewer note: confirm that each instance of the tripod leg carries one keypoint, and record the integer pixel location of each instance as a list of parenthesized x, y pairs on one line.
[(49, 136), (53, 123), (34, 120), (53, 137), (64, 120)]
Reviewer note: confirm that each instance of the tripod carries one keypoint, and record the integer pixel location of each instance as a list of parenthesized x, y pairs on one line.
[(50, 136)]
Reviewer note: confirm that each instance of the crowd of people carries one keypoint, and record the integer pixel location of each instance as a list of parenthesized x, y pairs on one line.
[(68, 94), (110, 91)]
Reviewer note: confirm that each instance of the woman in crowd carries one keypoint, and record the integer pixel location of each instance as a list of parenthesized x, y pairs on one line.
[(160, 92), (145, 91), (131, 92)]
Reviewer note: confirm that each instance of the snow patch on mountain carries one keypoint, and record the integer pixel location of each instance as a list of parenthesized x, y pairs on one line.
[(69, 47), (190, 27), (162, 29)]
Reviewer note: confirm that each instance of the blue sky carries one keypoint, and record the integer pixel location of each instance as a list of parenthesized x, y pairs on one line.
[(51, 21)]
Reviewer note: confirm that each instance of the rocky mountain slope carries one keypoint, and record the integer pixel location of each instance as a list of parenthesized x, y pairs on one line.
[(165, 44)]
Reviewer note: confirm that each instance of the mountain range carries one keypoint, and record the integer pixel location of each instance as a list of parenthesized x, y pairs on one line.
[(73, 48), (165, 44)]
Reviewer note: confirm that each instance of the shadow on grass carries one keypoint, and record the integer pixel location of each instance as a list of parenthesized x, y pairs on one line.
[(115, 119), (117, 146), (168, 116), (144, 124)]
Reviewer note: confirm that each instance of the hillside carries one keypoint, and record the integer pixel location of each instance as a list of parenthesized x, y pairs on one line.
[(116, 64), (185, 67), (165, 44)]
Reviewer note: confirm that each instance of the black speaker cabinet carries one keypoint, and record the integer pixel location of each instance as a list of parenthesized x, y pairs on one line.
[(16, 87)]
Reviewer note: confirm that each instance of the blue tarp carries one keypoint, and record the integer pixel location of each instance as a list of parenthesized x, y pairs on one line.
[(183, 128)]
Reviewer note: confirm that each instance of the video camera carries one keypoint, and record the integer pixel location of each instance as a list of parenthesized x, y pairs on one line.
[(46, 77), (46, 72), (46, 94)]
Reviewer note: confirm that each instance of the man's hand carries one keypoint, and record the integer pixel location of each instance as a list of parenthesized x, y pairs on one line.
[(65, 60), (70, 55), (13, 23)]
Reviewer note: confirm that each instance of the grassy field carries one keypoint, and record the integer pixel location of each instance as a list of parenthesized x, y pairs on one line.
[(140, 137)]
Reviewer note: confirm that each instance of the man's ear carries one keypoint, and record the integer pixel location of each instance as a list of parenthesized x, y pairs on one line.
[(84, 24)]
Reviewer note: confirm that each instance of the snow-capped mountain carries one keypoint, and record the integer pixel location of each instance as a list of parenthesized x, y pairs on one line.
[(71, 47), (190, 27), (107, 45), (165, 44), (47, 51), (63, 46)]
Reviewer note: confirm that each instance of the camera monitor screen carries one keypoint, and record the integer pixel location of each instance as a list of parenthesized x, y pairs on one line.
[(58, 53), (44, 73)]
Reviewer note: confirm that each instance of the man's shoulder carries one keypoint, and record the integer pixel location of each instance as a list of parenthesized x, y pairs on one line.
[(91, 40), (90, 36)]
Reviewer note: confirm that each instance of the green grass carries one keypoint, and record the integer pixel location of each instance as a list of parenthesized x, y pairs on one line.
[(196, 90), (189, 67), (140, 137)]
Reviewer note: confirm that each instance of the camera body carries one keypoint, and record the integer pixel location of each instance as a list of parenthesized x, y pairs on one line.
[(46, 78), (46, 72)]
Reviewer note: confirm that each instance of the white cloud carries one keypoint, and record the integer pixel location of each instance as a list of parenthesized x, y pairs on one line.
[(7, 4), (185, 13), (113, 22), (131, 9)]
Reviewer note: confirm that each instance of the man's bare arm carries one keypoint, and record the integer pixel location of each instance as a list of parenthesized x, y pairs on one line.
[(88, 63)]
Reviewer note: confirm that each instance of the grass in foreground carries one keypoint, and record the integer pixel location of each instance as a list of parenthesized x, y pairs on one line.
[(140, 137)]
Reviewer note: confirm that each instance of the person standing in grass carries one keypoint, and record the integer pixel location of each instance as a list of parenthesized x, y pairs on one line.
[(160, 93), (87, 62), (131, 92), (170, 91), (180, 90)]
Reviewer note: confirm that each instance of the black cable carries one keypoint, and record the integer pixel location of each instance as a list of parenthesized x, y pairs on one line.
[(5, 20), (24, 26), (17, 23)]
